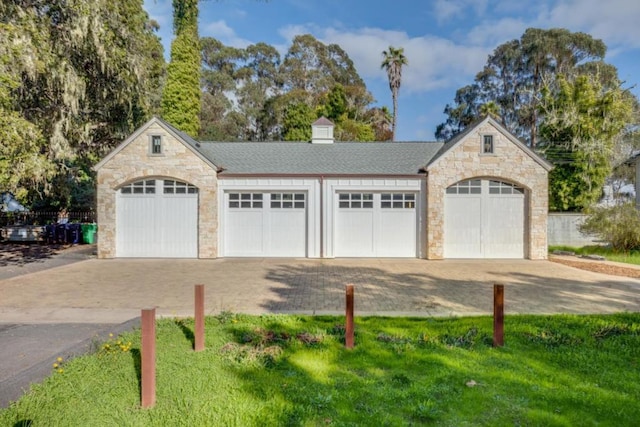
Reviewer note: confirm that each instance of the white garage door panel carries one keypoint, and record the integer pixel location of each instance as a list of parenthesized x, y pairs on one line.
[(135, 236), (180, 230), (371, 224), (506, 224), (244, 233), (152, 224), (484, 219), (255, 225), (288, 232), (354, 233), (397, 233), (462, 227)]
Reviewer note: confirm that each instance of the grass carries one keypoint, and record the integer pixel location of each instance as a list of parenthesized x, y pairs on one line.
[(631, 257), (293, 370)]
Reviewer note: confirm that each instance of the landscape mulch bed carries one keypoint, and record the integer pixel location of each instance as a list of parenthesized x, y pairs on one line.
[(599, 267)]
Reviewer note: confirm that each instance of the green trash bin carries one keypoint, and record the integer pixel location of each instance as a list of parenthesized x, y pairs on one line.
[(89, 233)]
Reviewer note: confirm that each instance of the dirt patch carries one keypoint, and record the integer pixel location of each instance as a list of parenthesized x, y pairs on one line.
[(599, 267)]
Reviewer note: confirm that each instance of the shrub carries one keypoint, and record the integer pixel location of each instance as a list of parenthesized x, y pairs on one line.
[(618, 225)]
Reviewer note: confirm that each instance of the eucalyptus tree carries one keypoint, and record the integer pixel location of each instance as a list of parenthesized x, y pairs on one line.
[(258, 80), (254, 94), (315, 68), (515, 74), (393, 61)]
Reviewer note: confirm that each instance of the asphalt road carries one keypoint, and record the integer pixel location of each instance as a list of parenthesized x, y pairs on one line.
[(28, 351)]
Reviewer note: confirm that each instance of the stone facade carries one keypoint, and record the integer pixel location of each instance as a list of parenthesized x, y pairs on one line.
[(133, 161), (463, 159), (509, 162)]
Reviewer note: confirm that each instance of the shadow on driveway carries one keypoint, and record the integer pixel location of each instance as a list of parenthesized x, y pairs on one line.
[(448, 289)]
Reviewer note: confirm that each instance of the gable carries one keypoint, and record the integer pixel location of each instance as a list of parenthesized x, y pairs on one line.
[(506, 145), (138, 145)]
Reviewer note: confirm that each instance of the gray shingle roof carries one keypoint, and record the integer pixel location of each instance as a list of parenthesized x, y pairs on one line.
[(339, 158)]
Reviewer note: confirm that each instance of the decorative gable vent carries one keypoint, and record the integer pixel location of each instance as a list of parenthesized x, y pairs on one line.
[(322, 131)]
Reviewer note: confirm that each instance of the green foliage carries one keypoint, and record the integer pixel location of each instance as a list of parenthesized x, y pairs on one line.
[(181, 98), (297, 122), (515, 74), (583, 121), (249, 93), (353, 130), (76, 78), (294, 370), (618, 225)]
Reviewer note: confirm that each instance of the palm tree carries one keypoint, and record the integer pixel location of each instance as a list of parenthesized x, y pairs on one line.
[(490, 108), (393, 61)]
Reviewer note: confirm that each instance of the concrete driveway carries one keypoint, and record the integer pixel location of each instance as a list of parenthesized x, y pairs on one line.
[(63, 306), (113, 291)]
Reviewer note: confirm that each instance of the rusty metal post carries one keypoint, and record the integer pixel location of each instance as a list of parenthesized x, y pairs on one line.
[(148, 358), (348, 333), (198, 344), (498, 315)]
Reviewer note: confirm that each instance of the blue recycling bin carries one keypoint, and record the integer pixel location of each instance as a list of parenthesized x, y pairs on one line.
[(50, 233), (73, 234), (60, 233)]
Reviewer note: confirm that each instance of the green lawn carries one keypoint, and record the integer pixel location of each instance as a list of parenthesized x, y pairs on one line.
[(632, 257), (293, 370)]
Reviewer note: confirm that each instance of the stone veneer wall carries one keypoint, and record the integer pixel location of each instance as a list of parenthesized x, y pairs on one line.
[(508, 163), (178, 162)]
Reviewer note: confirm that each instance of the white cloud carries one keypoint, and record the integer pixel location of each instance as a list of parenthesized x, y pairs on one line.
[(433, 62), (494, 33), (227, 35), (445, 10), (614, 21)]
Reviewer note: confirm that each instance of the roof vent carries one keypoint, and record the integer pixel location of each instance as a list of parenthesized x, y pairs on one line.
[(322, 131)]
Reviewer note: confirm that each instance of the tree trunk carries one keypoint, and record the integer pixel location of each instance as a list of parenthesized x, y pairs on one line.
[(395, 114)]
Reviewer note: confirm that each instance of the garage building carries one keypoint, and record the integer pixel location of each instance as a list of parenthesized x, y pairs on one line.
[(482, 194)]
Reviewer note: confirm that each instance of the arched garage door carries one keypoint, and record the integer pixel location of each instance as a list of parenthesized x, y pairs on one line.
[(157, 218), (484, 219)]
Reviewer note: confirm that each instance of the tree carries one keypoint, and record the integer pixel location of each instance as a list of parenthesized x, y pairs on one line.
[(379, 118), (297, 122), (251, 95), (393, 60), (81, 77), (515, 74), (181, 96), (584, 122), (618, 225)]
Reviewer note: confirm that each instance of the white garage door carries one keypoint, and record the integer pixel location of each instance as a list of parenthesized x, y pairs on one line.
[(157, 218), (484, 219), (375, 225), (265, 224)]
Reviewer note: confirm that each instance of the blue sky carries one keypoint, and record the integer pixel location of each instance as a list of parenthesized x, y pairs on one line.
[(446, 41)]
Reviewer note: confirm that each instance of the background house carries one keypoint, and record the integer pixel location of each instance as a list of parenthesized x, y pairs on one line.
[(482, 194)]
